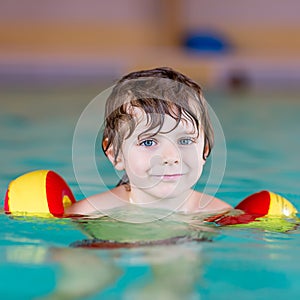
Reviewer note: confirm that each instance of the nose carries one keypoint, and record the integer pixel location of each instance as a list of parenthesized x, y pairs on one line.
[(170, 154)]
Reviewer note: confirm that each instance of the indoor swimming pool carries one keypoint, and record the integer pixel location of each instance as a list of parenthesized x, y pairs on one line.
[(38, 261)]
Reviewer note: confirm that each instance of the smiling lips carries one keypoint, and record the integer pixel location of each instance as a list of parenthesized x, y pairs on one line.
[(169, 177)]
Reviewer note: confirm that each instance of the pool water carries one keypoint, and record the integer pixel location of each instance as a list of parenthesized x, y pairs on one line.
[(36, 258)]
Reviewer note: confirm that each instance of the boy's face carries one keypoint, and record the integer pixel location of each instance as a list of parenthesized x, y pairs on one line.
[(165, 165)]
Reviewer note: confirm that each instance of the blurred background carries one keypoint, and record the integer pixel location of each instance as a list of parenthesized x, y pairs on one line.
[(221, 44)]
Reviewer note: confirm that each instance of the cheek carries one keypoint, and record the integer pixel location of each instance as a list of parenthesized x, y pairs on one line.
[(137, 162), (194, 157)]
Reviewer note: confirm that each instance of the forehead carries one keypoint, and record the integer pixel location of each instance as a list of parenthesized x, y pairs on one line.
[(166, 123)]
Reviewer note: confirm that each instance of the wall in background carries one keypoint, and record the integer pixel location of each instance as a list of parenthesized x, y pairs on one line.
[(91, 37), (90, 25)]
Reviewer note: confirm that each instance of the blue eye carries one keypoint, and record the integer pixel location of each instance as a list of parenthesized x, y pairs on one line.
[(185, 141), (148, 143)]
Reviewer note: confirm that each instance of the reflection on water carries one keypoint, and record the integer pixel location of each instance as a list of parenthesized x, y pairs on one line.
[(210, 260), (161, 272), (175, 225), (254, 263)]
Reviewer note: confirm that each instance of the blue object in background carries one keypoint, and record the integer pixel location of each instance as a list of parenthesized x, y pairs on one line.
[(206, 42)]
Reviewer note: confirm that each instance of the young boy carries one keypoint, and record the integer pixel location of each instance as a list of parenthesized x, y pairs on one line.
[(158, 131)]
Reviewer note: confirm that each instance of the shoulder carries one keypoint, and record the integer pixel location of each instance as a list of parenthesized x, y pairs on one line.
[(218, 205), (99, 202), (200, 202)]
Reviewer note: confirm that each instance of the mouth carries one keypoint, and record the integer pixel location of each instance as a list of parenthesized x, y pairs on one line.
[(169, 177)]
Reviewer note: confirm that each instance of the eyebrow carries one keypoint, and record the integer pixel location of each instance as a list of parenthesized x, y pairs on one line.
[(192, 130), (149, 134)]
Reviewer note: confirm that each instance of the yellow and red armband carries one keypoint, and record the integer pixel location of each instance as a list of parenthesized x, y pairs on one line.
[(263, 204), (41, 193)]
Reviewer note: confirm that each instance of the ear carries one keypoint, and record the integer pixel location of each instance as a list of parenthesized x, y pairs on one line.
[(118, 163), (205, 151)]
